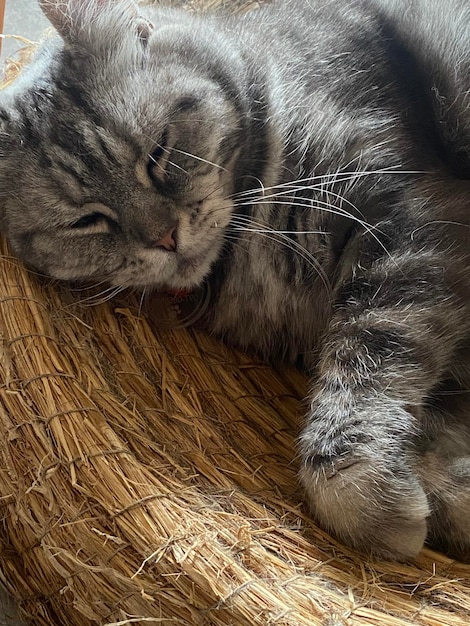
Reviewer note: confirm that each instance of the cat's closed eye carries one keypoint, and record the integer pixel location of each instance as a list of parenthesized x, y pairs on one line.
[(158, 159), (94, 222), (91, 219)]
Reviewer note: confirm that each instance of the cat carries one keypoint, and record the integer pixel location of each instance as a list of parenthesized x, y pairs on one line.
[(310, 162)]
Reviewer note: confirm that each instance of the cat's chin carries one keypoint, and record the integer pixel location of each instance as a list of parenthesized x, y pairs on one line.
[(193, 268), (191, 273), (186, 274)]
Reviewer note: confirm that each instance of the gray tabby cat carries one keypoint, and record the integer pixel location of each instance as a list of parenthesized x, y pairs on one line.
[(311, 162)]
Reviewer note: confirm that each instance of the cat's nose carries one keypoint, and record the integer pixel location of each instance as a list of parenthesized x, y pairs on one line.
[(168, 241)]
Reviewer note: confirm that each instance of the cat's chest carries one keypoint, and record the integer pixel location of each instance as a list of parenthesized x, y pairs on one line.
[(264, 309)]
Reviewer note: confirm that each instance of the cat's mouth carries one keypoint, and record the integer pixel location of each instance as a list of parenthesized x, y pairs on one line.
[(180, 260)]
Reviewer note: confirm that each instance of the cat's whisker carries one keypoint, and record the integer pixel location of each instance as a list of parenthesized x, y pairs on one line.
[(245, 224), (313, 204), (89, 287), (253, 227), (256, 190), (171, 149), (152, 158), (234, 240), (326, 192), (453, 392), (15, 261), (198, 158), (101, 297), (325, 207), (315, 181), (141, 302), (178, 167), (284, 232), (159, 165), (435, 222)]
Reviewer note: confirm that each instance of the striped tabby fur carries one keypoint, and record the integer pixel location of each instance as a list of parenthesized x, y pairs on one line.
[(311, 162)]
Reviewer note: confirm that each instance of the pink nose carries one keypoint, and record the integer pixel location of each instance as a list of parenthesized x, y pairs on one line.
[(168, 241)]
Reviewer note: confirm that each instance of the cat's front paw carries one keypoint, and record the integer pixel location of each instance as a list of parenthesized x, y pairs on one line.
[(371, 504)]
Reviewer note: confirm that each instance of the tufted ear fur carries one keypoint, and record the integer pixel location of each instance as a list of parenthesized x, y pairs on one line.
[(75, 19), (69, 16)]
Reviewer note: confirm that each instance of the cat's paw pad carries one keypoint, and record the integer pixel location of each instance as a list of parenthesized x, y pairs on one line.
[(378, 508)]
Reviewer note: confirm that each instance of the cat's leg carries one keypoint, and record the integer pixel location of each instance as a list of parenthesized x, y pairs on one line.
[(389, 343)]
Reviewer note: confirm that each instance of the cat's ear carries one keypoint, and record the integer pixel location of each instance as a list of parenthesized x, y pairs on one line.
[(69, 16), (74, 19)]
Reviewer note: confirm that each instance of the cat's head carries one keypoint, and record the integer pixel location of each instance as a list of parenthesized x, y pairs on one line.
[(118, 146)]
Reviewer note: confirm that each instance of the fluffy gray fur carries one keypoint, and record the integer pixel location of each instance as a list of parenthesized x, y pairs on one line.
[(311, 162)]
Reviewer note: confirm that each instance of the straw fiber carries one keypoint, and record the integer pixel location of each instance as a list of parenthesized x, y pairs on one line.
[(148, 476)]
